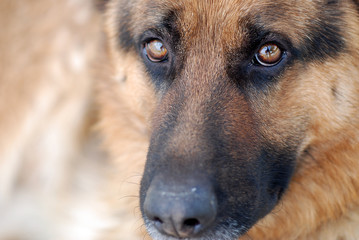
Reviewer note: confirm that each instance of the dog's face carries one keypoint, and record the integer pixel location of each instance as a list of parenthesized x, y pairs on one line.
[(240, 88)]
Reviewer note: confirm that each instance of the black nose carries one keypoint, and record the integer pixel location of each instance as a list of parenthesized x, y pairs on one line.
[(180, 208)]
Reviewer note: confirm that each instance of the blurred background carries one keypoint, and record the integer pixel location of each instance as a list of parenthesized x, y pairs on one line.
[(52, 170)]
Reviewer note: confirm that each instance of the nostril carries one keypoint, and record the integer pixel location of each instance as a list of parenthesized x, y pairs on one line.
[(191, 226), (157, 220), (158, 223), (181, 212), (192, 223)]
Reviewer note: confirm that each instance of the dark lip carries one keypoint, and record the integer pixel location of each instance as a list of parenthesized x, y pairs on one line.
[(215, 233)]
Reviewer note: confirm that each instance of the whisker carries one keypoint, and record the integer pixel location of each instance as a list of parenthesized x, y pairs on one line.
[(134, 183), (128, 196)]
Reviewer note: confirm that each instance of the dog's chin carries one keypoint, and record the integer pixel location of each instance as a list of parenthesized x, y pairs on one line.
[(230, 230)]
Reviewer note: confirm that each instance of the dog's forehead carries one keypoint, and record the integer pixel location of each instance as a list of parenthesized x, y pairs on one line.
[(314, 29), (228, 18)]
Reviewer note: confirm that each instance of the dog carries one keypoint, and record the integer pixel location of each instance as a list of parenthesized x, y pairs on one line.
[(208, 119), (247, 113)]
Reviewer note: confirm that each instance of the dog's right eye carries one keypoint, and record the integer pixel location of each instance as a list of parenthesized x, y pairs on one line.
[(155, 51)]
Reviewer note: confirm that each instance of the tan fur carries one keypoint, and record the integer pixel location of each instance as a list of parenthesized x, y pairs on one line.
[(328, 210), (55, 181), (331, 172)]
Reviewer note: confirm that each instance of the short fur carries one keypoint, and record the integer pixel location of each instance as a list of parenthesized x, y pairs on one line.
[(303, 116), (279, 146)]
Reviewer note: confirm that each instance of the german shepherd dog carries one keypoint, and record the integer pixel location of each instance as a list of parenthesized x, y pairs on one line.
[(252, 113), (247, 112)]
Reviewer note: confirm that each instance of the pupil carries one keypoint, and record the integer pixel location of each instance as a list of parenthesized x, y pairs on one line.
[(268, 55), (270, 50), (155, 51), (158, 46)]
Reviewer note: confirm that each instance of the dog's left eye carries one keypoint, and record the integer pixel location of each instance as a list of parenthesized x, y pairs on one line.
[(155, 51), (269, 55)]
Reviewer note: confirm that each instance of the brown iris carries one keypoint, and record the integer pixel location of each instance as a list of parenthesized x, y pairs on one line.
[(269, 54), (156, 51)]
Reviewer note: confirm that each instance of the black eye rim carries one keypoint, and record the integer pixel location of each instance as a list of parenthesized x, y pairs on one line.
[(145, 54), (256, 60)]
